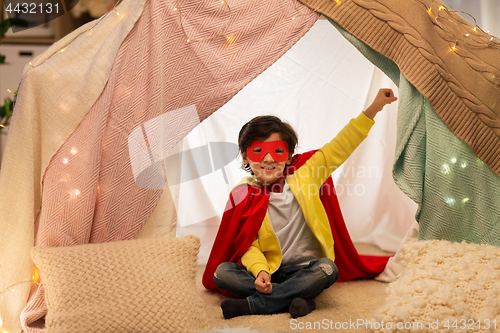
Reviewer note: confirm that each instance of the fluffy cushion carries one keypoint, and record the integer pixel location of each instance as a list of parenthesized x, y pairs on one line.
[(444, 284), (145, 285)]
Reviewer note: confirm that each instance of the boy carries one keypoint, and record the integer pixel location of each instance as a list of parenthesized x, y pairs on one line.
[(281, 209)]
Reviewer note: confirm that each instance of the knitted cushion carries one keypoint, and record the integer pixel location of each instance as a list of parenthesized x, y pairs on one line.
[(135, 286), (445, 287)]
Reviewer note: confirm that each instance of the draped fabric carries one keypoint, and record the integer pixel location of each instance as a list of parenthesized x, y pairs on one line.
[(458, 195), (67, 165), (179, 63), (454, 64), (57, 90)]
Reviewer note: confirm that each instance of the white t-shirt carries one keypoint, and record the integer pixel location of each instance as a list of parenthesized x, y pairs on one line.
[(297, 242)]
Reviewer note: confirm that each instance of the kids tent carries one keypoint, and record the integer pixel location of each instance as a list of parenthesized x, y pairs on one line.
[(80, 102)]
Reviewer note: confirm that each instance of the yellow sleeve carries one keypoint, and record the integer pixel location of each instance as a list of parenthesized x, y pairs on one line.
[(254, 260), (328, 158)]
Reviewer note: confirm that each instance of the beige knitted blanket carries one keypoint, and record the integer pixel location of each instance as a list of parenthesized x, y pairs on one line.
[(55, 94), (450, 61)]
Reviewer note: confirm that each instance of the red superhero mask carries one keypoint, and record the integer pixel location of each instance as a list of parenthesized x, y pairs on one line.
[(258, 149)]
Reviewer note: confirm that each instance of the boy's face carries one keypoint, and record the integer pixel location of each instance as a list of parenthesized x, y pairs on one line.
[(268, 170)]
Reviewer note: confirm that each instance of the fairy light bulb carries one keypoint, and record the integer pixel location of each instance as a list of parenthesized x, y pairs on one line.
[(11, 92), (36, 276), (73, 151), (63, 106), (435, 10), (445, 168), (230, 39), (65, 161), (218, 35)]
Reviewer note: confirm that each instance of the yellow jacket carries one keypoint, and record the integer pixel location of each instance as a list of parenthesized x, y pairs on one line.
[(265, 253)]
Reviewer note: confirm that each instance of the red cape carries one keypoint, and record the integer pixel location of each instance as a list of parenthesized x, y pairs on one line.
[(245, 211)]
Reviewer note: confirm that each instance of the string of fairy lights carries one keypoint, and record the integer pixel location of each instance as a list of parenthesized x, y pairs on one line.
[(35, 280), (461, 36), (462, 31), (35, 276), (229, 38), (472, 37)]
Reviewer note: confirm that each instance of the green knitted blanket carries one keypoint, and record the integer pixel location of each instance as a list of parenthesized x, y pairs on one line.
[(458, 196)]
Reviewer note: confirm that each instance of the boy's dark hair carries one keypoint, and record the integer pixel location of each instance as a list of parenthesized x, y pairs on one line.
[(260, 128)]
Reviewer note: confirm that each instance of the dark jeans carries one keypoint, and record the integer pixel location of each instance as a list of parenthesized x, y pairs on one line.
[(305, 281)]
